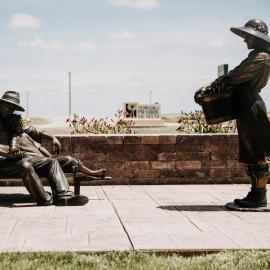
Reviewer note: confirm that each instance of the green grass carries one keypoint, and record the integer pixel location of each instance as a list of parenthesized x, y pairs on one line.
[(239, 260)]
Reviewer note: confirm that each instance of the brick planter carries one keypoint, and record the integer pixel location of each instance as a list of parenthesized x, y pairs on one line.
[(160, 159)]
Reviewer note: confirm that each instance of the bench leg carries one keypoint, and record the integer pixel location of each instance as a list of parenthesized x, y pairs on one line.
[(77, 185)]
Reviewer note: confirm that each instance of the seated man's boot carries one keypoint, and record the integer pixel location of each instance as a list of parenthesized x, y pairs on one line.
[(70, 199), (47, 202), (259, 199)]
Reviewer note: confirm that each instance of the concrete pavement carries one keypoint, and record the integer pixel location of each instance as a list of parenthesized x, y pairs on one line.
[(157, 217)]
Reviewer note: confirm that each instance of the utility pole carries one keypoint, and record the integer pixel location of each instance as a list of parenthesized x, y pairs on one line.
[(69, 93)]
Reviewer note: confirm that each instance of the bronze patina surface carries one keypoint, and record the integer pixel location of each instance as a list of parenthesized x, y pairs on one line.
[(29, 167), (246, 80)]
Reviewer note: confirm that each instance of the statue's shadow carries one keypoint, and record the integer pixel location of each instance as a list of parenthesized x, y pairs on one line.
[(193, 208), (16, 200)]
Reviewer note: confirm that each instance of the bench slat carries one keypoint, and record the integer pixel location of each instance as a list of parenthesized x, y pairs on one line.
[(17, 181)]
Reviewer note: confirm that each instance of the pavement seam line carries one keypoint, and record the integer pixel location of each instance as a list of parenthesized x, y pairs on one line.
[(165, 186), (6, 212), (96, 193), (225, 209), (89, 240), (119, 218), (175, 245), (24, 243), (66, 225), (225, 234), (181, 212), (13, 228), (218, 230), (54, 212), (189, 219), (211, 195), (150, 196)]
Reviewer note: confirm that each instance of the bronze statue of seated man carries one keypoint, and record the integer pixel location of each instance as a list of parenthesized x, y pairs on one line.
[(27, 158)]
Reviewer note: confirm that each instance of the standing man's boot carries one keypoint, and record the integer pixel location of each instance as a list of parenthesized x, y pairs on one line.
[(259, 199), (251, 193)]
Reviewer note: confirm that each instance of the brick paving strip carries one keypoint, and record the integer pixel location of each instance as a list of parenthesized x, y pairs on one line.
[(187, 218)]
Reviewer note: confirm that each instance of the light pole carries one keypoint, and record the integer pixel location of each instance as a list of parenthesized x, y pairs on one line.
[(69, 93)]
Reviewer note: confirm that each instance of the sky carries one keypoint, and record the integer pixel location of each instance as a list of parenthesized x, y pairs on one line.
[(119, 51)]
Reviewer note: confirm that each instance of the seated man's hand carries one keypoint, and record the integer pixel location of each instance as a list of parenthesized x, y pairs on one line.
[(56, 146), (16, 154)]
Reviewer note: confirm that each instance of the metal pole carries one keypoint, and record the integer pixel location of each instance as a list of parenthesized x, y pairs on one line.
[(69, 89)]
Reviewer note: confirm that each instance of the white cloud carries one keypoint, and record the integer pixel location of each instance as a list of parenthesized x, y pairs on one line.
[(23, 20), (39, 43), (122, 35), (87, 45), (138, 4), (56, 45)]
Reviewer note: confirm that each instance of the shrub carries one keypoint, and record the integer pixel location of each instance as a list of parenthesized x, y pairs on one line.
[(81, 125), (194, 122)]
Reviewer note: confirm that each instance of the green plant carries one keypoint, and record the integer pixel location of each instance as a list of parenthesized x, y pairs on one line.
[(194, 122), (81, 125), (240, 260)]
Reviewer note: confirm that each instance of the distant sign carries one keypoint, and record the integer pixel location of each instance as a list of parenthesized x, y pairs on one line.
[(131, 110), (223, 69), (142, 111)]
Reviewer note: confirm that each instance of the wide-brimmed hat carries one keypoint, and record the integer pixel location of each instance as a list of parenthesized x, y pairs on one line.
[(254, 27), (13, 98)]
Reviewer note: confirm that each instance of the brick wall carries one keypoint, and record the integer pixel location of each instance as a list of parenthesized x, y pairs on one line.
[(158, 159)]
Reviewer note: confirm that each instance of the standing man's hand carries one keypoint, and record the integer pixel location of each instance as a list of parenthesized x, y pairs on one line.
[(56, 146), (199, 93)]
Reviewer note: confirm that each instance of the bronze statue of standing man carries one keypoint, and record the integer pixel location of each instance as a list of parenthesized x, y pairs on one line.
[(252, 122)]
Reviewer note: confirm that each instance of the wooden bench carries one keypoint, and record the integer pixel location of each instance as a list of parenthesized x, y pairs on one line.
[(74, 179)]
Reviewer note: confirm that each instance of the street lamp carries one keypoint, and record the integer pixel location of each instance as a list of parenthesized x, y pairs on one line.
[(69, 93)]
